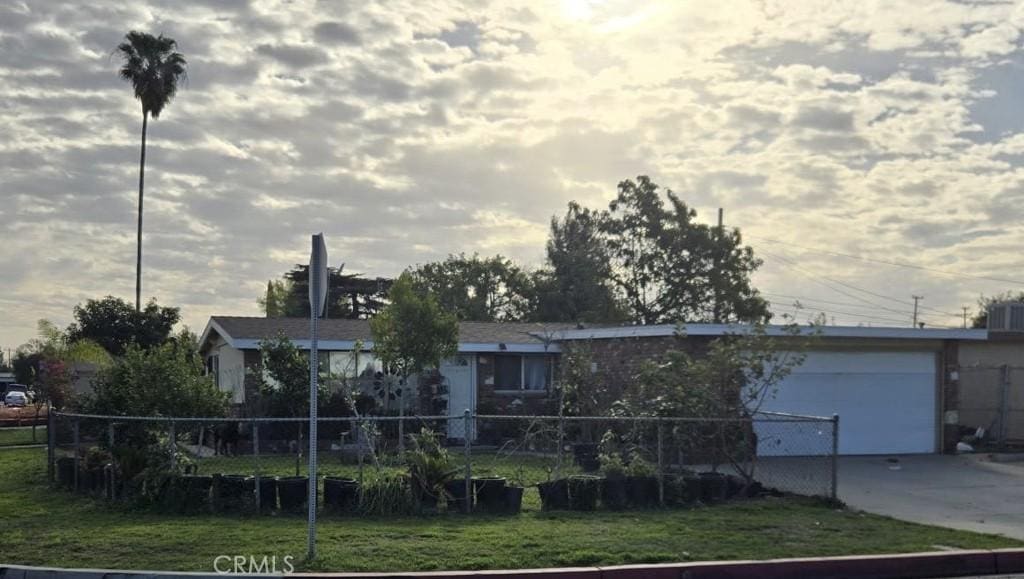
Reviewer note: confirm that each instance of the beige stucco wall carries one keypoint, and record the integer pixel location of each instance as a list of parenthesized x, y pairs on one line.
[(981, 385)]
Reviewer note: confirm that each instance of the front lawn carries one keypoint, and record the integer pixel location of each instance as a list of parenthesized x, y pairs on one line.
[(48, 527), (12, 436)]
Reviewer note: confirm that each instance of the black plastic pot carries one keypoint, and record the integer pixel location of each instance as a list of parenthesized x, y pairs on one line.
[(513, 500), (554, 495), (586, 456), (90, 480), (65, 470), (196, 492), (642, 491), (456, 491), (614, 495), (268, 493), (714, 487), (693, 489), (490, 493), (584, 491), (341, 495), (234, 492), (293, 492)]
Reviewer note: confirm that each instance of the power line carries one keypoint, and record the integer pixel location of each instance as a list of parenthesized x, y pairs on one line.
[(892, 263), (814, 276)]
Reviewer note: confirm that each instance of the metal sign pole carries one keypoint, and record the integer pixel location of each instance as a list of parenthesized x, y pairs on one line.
[(317, 290)]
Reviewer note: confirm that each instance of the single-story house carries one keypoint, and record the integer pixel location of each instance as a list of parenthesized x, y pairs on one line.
[(895, 389)]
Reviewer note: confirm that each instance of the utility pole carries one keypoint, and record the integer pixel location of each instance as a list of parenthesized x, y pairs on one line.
[(916, 298), (964, 308), (718, 268)]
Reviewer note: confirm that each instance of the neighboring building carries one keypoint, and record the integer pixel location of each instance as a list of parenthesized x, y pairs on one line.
[(895, 389), (992, 376)]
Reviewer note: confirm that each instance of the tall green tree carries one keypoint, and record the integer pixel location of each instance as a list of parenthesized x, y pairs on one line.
[(413, 333), (168, 380), (472, 288), (576, 284), (113, 324), (153, 67), (349, 296), (670, 268)]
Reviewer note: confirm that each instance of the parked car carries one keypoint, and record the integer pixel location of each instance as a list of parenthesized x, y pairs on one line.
[(16, 398)]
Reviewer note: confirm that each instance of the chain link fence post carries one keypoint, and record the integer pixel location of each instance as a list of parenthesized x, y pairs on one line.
[(172, 440), (51, 442), (661, 465), (468, 450), (76, 442), (560, 443), (835, 457), (256, 459)]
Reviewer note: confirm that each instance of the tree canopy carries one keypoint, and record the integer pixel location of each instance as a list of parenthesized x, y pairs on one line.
[(350, 296), (491, 289), (153, 67), (576, 285), (668, 267), (114, 324), (413, 334), (165, 380)]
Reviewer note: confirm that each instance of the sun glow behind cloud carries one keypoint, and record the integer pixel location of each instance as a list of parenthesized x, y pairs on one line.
[(406, 131)]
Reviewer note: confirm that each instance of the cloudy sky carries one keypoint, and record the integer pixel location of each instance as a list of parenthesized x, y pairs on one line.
[(406, 130)]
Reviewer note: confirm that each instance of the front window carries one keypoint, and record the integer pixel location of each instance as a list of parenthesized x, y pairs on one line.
[(514, 371)]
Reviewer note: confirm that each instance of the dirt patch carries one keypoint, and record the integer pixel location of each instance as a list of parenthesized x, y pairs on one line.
[(21, 416)]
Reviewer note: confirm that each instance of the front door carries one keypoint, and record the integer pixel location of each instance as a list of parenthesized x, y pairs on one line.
[(458, 373)]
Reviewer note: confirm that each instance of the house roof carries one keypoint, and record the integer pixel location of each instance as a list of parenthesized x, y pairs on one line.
[(725, 329), (245, 333), (339, 334)]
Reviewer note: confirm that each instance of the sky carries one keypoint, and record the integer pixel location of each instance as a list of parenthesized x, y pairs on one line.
[(407, 130)]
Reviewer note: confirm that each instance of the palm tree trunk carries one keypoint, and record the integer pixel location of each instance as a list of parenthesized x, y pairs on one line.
[(142, 176)]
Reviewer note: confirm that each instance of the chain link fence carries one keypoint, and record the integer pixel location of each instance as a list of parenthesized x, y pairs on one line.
[(410, 465), (992, 398)]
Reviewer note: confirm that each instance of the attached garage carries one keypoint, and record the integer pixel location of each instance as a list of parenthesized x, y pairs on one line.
[(887, 402)]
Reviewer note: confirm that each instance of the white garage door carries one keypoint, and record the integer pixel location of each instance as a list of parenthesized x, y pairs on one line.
[(885, 402)]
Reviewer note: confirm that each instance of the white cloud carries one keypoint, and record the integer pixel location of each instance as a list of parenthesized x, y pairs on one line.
[(409, 130)]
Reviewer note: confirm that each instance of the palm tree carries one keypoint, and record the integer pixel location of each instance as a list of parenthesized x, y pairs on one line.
[(153, 67)]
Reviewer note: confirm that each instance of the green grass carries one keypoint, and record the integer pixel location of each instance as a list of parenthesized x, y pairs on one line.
[(21, 435), (42, 526)]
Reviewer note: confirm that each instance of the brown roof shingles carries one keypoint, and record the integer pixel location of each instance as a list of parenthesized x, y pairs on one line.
[(256, 328)]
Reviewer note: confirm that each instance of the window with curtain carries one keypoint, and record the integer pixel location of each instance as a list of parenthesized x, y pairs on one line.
[(535, 373)]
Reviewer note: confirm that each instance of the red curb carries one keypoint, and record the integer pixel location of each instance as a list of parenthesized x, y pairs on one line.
[(1009, 560), (870, 566), (553, 573)]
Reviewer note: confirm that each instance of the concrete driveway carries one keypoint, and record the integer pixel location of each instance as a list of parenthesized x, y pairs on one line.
[(962, 492)]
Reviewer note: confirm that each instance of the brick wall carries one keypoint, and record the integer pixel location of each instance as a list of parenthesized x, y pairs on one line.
[(619, 360)]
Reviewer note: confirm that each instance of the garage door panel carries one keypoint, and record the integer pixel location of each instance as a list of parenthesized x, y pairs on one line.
[(880, 412)]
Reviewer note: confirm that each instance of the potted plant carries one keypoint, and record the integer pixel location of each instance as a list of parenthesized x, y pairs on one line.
[(386, 494), (456, 495), (714, 487), (641, 482), (267, 497), (584, 491), (554, 494), (513, 499), (429, 468), (65, 470), (233, 492), (341, 495), (293, 492), (614, 493), (490, 493)]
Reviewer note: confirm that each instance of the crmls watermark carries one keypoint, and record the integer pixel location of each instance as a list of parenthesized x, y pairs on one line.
[(251, 564)]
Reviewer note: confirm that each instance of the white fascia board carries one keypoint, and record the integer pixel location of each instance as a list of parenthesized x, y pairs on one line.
[(665, 330), (213, 326), (348, 345)]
